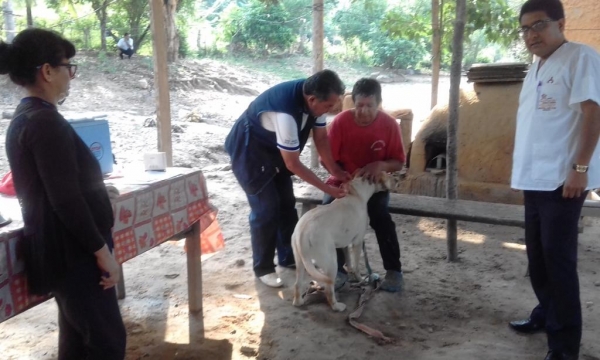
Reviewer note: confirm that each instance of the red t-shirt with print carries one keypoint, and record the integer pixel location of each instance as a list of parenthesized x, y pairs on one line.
[(354, 146)]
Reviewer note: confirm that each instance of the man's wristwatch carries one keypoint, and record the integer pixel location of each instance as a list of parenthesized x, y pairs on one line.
[(580, 168)]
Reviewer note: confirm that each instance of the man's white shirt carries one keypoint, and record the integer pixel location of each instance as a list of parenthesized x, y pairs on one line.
[(549, 118), (286, 129), (123, 44)]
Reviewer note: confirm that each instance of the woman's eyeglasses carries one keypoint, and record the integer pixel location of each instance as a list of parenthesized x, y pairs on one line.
[(71, 67)]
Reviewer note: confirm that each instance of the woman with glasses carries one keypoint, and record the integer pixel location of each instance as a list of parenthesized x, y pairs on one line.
[(66, 210)]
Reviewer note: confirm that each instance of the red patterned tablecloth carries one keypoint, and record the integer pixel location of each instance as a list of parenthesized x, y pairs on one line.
[(151, 208)]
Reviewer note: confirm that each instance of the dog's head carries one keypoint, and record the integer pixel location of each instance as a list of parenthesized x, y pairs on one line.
[(365, 188)]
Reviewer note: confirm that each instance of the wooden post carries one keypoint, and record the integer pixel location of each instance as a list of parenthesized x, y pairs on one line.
[(194, 268), (436, 50), (161, 79), (454, 103), (317, 50)]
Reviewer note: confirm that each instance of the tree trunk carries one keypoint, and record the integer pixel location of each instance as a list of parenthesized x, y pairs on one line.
[(172, 35), (86, 38), (142, 37), (101, 10), (436, 50), (317, 39), (103, 30), (29, 14), (454, 103), (301, 41), (9, 21)]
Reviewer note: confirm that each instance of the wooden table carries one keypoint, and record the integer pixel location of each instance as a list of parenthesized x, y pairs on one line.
[(152, 208)]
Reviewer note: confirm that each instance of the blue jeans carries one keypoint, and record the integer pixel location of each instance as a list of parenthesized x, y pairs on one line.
[(272, 218), (551, 239), (385, 231)]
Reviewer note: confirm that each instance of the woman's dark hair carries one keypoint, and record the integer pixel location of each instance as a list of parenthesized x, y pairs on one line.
[(32, 48), (367, 87), (322, 84), (553, 8)]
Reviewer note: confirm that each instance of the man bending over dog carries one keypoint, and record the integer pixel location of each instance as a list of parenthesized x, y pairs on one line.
[(265, 145), (369, 140)]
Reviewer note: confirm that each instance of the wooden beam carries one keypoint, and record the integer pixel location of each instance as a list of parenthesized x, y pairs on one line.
[(317, 50), (161, 79), (453, 106)]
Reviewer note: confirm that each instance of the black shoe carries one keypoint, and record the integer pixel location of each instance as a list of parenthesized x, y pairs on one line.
[(558, 355), (527, 326)]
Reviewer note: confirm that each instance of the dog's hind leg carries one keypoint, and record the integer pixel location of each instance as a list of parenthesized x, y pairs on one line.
[(331, 271), (300, 274)]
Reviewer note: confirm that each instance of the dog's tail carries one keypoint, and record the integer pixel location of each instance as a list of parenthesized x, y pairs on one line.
[(303, 245)]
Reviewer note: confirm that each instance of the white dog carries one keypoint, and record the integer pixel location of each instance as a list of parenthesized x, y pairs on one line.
[(341, 224)]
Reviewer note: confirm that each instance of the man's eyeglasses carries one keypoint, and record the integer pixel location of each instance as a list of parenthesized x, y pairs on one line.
[(71, 67), (537, 27)]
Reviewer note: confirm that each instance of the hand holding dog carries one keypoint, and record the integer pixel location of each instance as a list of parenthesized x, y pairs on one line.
[(371, 172), (340, 174), (336, 192)]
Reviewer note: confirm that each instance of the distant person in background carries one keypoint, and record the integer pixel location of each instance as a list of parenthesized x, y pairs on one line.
[(67, 213), (125, 46)]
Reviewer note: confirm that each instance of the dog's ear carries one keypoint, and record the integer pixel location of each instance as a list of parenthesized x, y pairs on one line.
[(385, 180)]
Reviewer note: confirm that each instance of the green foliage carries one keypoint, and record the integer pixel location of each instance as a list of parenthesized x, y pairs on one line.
[(257, 26), (396, 53), (361, 25), (106, 64), (184, 46), (494, 19), (361, 20)]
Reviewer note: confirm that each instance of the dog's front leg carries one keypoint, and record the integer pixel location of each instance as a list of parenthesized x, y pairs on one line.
[(356, 251)]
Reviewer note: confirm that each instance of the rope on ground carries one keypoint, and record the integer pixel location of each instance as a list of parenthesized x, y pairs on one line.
[(368, 287), (366, 294)]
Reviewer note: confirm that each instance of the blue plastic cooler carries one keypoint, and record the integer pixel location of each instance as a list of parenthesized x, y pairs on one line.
[(96, 135)]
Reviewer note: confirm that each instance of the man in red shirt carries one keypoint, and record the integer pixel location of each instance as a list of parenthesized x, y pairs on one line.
[(368, 140)]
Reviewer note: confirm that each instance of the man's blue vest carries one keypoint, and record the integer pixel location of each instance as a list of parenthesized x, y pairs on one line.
[(255, 158)]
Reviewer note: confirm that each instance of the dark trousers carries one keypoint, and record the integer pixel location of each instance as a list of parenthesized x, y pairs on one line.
[(385, 231), (89, 320), (272, 218), (127, 52), (551, 239)]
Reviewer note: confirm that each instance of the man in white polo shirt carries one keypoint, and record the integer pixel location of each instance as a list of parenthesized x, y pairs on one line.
[(555, 162), (125, 46)]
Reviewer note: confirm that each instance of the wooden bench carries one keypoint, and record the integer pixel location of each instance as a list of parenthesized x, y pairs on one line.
[(433, 207)]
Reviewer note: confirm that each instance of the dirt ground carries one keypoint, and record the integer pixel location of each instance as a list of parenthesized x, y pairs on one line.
[(447, 310)]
